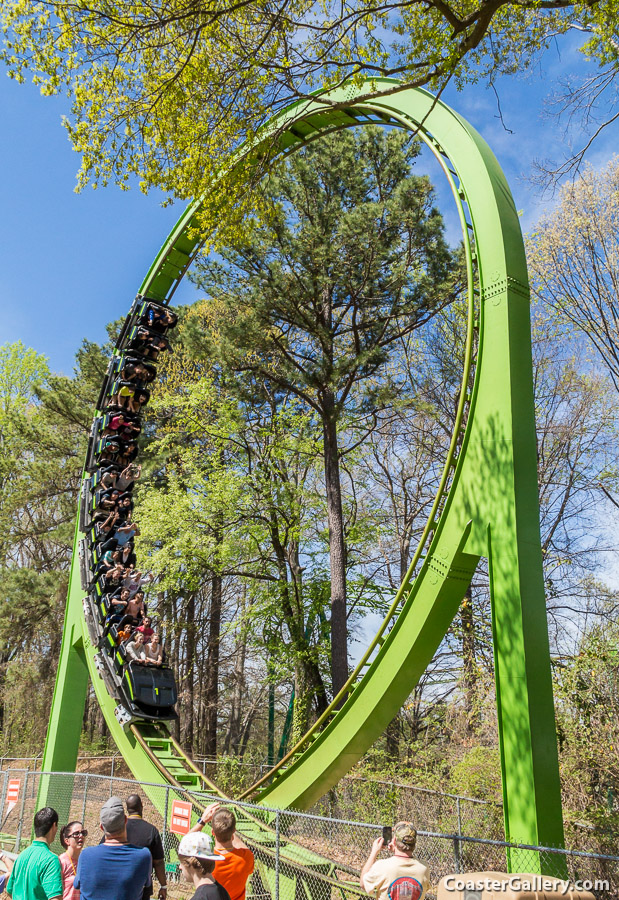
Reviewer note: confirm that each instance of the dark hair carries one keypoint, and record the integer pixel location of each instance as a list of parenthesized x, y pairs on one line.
[(205, 866), (134, 804), (65, 831), (44, 820), (223, 824)]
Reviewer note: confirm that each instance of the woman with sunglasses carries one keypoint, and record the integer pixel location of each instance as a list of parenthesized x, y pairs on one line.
[(72, 838)]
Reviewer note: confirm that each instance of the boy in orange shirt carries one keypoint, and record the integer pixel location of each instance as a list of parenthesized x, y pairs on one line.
[(233, 871)]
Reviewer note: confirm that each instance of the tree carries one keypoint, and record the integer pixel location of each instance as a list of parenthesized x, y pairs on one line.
[(167, 91), (21, 372), (352, 259), (226, 508), (574, 260), (44, 428)]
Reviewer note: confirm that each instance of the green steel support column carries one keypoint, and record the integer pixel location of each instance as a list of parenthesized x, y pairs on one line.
[(67, 712)]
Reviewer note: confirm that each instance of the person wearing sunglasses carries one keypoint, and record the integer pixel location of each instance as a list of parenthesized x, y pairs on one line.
[(72, 838)]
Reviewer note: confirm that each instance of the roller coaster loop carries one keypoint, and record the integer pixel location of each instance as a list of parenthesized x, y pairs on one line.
[(486, 505)]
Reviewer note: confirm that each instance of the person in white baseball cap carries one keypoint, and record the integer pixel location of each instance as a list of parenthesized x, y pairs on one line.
[(197, 859)]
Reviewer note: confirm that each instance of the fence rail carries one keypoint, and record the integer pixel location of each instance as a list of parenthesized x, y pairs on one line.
[(300, 840), (355, 797)]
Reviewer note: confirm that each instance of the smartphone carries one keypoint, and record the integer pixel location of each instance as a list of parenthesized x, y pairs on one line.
[(387, 834)]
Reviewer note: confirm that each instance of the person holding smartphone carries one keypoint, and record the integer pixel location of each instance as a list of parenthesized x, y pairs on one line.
[(400, 876)]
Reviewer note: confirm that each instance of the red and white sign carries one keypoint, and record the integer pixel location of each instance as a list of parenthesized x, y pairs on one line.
[(12, 794), (180, 821)]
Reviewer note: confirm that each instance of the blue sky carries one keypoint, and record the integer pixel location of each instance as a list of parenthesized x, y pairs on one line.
[(69, 263)]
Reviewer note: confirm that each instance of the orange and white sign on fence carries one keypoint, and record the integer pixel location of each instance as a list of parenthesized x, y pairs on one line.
[(180, 820), (12, 795)]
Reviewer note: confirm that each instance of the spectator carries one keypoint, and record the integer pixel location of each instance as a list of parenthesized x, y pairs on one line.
[(399, 876), (7, 862), (37, 874), (113, 870), (143, 834), (238, 861), (154, 651), (135, 650), (197, 860), (72, 840)]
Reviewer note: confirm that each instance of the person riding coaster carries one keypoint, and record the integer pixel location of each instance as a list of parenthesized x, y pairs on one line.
[(157, 318)]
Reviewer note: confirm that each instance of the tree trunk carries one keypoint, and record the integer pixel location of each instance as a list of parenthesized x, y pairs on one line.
[(469, 667), (305, 655), (212, 666), (233, 734), (392, 737), (337, 546), (190, 671)]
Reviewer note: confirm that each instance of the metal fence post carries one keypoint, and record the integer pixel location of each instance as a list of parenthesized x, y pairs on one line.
[(277, 834), (85, 798), (165, 823), (21, 813), (457, 844), (5, 784)]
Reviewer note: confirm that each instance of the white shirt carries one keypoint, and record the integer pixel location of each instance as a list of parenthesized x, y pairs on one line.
[(397, 878)]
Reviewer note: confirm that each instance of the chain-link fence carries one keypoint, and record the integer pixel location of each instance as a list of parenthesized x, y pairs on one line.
[(298, 854), (355, 797)]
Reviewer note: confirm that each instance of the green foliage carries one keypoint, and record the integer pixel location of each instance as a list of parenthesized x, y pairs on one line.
[(478, 774), (588, 715), (351, 259), (167, 91), (44, 423)]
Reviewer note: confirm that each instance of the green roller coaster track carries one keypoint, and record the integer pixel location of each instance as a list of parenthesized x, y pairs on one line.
[(486, 506)]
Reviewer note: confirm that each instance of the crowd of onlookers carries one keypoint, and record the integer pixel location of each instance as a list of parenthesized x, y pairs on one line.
[(121, 866), (130, 851), (113, 529)]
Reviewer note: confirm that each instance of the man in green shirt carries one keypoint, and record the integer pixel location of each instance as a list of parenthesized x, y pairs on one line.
[(36, 874)]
